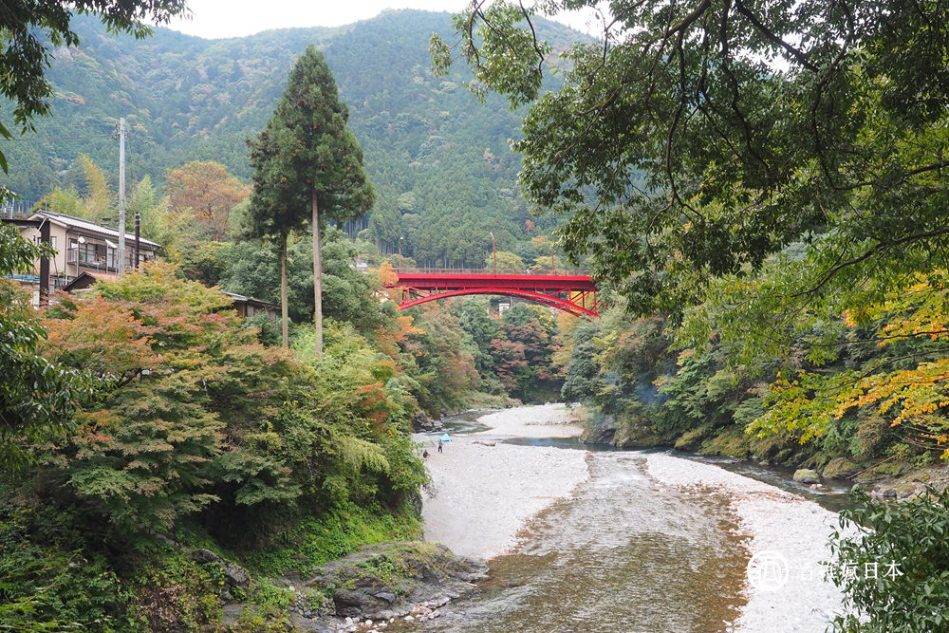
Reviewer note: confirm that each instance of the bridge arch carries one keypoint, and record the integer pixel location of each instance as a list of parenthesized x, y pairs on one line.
[(559, 303), (571, 293)]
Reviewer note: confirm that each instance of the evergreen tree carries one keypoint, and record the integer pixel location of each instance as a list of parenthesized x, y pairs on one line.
[(270, 215), (307, 160)]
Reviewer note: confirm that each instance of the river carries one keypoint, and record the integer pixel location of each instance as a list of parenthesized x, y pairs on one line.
[(620, 541)]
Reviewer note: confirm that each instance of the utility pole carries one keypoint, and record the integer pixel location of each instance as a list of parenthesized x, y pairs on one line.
[(44, 264), (120, 254)]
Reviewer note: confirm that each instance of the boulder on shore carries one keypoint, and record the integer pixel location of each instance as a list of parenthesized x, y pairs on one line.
[(234, 574), (840, 468), (806, 476), (391, 578), (599, 429), (421, 422)]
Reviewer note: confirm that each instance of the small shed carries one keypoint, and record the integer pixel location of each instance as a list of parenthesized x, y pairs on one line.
[(83, 281), (249, 306)]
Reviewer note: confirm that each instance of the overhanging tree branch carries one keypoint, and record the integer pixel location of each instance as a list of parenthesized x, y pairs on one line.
[(797, 54), (870, 252)]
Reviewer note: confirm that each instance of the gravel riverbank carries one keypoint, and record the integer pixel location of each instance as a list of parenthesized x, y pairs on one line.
[(483, 491), (784, 530)]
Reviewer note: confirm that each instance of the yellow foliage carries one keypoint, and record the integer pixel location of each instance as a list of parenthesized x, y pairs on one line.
[(566, 325), (387, 274), (914, 399), (918, 396), (922, 310), (389, 337), (684, 355), (919, 309), (801, 407), (98, 198)]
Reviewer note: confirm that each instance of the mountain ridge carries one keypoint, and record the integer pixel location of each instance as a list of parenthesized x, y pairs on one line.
[(440, 159)]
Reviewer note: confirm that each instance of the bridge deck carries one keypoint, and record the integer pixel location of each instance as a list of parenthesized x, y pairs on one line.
[(575, 294), (461, 281)]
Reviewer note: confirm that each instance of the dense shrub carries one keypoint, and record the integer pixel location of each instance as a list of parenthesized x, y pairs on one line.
[(251, 268), (892, 562), (438, 356), (51, 585), (36, 397), (195, 415), (870, 387)]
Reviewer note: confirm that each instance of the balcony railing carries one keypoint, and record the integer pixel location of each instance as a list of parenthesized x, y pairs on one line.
[(76, 257), (80, 259)]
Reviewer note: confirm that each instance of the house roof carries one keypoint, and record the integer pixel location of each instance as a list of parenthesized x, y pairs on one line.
[(29, 279), (251, 300), (85, 225), (84, 280)]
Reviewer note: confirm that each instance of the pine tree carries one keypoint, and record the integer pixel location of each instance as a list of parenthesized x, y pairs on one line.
[(307, 163)]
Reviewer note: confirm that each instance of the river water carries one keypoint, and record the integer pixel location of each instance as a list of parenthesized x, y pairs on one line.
[(623, 551)]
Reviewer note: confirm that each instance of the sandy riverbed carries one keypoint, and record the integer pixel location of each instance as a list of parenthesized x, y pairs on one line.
[(484, 492), (782, 527), (480, 496)]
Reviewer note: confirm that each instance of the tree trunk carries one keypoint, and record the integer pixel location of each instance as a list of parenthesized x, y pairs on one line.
[(284, 317), (317, 275)]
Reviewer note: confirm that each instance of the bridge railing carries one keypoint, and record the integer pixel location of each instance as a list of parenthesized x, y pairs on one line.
[(561, 270)]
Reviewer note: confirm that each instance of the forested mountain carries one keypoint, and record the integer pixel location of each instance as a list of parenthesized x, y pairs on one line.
[(439, 159)]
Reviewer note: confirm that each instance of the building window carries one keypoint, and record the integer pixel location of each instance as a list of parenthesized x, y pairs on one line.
[(52, 241), (88, 254)]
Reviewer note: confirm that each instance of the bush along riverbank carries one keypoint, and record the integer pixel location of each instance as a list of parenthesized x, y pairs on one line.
[(859, 398), (164, 470)]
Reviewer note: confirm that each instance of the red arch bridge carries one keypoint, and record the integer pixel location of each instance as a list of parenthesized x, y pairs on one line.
[(575, 294)]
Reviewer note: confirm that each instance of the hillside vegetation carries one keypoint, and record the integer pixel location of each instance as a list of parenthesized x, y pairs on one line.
[(440, 160), (161, 457)]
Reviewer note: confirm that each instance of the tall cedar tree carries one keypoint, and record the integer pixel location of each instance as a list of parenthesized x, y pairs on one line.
[(271, 217), (307, 161)]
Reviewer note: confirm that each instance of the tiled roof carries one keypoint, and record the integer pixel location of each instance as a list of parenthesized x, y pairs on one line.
[(92, 227)]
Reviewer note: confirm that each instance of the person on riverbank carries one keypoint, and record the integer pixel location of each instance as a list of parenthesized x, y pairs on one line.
[(439, 445), (425, 453)]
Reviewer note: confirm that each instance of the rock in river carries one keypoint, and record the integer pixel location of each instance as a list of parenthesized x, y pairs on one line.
[(806, 476), (840, 468)]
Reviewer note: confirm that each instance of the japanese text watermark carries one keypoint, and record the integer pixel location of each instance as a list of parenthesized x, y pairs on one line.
[(770, 571)]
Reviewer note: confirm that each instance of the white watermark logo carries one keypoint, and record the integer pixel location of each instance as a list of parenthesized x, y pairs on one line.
[(768, 571)]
